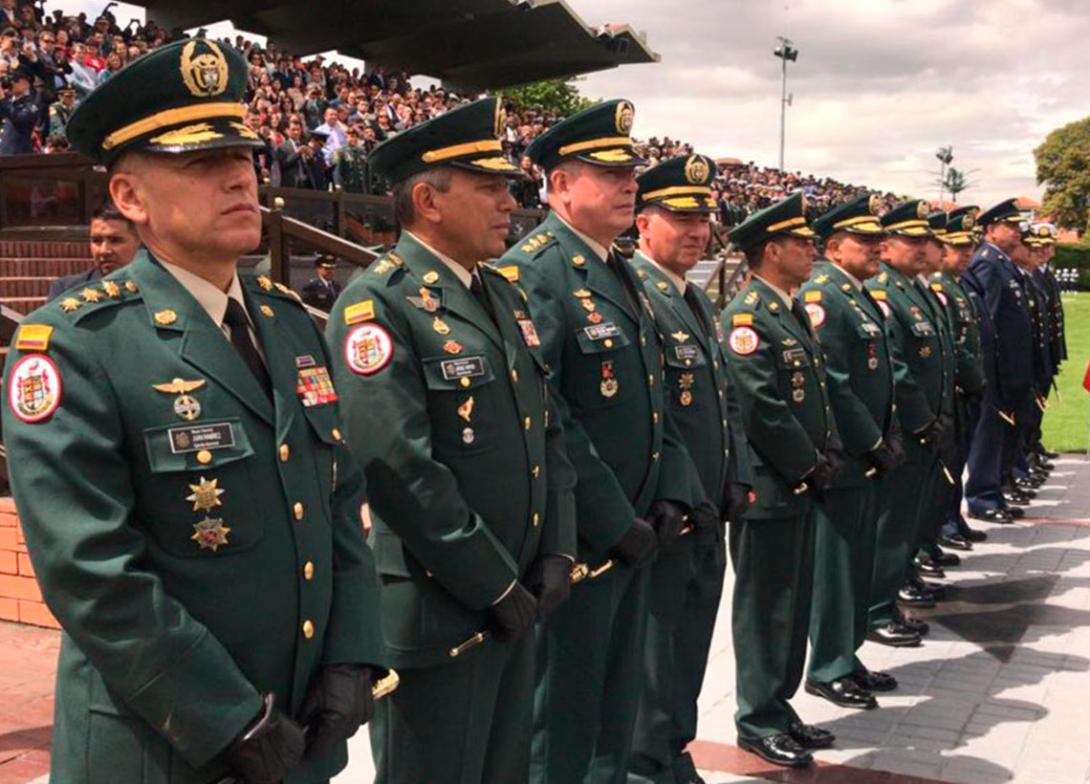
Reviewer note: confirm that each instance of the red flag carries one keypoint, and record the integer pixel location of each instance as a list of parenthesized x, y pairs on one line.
[(1086, 378)]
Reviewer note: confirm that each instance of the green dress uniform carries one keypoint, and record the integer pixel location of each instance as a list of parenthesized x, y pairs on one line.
[(447, 410), (686, 582), (923, 365), (859, 371), (600, 339), (190, 508), (350, 168), (777, 372), (162, 492)]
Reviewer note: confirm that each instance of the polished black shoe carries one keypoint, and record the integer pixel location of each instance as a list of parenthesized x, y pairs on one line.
[(972, 534), (928, 568), (1016, 499), (1049, 455), (844, 692), (946, 559), (780, 749), (810, 736), (1001, 516), (956, 542), (894, 635), (1016, 512), (911, 624), (1045, 465), (910, 596), (1027, 489), (872, 680)]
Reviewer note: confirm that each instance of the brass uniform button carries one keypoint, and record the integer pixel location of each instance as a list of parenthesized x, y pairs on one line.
[(308, 570), (336, 434), (285, 453), (514, 376), (536, 520), (535, 472), (204, 457), (654, 455), (526, 423), (651, 379), (465, 382), (308, 629), (298, 510), (655, 417), (607, 343)]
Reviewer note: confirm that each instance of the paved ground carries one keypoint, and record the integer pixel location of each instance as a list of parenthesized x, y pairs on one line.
[(999, 692)]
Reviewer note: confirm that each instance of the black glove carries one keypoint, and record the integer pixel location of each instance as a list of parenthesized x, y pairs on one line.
[(931, 436), (337, 702), (896, 443), (883, 459), (550, 581), (821, 476), (513, 614), (737, 500), (637, 545), (838, 463), (706, 517), (269, 749), (667, 518)]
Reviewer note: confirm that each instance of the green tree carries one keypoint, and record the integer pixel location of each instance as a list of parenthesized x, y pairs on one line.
[(955, 183), (1063, 167), (559, 96)]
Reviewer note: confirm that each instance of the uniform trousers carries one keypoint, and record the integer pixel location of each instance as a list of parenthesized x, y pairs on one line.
[(466, 722), (589, 677), (844, 551), (683, 601), (770, 616)]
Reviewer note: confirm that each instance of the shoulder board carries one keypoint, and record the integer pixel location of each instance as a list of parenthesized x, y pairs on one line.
[(878, 294), (822, 278), (96, 296), (812, 296), (263, 285), (883, 277), (741, 320), (510, 272), (752, 298), (390, 261), (641, 274), (33, 337), (364, 310), (936, 286), (536, 241)]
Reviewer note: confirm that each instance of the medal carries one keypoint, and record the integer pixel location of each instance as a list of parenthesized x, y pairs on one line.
[(430, 303), (465, 412), (798, 395), (925, 352), (685, 381), (798, 380), (188, 408), (594, 318), (206, 495), (452, 347), (439, 325), (609, 386), (210, 533)]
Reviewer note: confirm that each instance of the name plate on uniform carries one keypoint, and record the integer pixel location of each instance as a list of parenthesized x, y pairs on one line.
[(197, 437), (463, 367), (602, 331), (923, 328), (871, 328), (689, 352), (795, 356)]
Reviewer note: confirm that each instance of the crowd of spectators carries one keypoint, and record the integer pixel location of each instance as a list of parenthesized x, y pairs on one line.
[(319, 119)]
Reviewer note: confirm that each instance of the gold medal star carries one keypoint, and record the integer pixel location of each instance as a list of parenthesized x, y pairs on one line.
[(113, 291), (206, 495), (210, 533), (90, 295), (68, 304)]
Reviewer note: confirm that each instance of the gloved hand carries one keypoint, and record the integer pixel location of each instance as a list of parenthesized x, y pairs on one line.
[(549, 580), (932, 435), (819, 478), (667, 518), (838, 462), (737, 501), (637, 545), (706, 517), (883, 459), (337, 702), (269, 749), (896, 443), (513, 614)]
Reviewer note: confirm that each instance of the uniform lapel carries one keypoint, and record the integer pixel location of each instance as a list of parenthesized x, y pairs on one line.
[(280, 353), (457, 298), (202, 344), (787, 319), (676, 299), (599, 278)]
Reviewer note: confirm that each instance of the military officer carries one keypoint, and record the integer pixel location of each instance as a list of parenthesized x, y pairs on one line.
[(1057, 342), (673, 208), (60, 111), (322, 290), (446, 408), (777, 371), (962, 311), (1031, 470), (167, 488), (350, 164), (859, 372), (601, 341), (925, 414), (1006, 343)]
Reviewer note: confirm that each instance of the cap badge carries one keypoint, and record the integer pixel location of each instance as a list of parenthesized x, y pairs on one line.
[(205, 74), (626, 112), (696, 170), (873, 204)]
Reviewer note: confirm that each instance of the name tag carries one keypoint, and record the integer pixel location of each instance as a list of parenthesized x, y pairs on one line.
[(464, 367), (687, 351), (794, 356), (197, 437), (871, 328), (602, 331), (923, 328)]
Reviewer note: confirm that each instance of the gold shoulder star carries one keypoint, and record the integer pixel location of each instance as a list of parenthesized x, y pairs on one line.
[(206, 495), (68, 304), (264, 282), (131, 287), (90, 295), (112, 289)]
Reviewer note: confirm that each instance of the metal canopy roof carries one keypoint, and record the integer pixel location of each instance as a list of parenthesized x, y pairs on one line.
[(475, 44)]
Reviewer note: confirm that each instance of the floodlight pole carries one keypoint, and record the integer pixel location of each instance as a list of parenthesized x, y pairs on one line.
[(785, 51)]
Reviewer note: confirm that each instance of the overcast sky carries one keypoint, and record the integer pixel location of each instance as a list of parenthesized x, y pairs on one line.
[(878, 86)]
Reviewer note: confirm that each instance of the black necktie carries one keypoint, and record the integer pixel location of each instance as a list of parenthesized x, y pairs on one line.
[(698, 311), (476, 288), (800, 314), (614, 263), (236, 319)]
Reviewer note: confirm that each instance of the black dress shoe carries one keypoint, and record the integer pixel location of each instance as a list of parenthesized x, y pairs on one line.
[(810, 736), (928, 568), (956, 542), (910, 624), (910, 596), (938, 592), (1049, 455), (1001, 516), (871, 680), (779, 750), (1027, 489), (972, 534), (894, 635), (1015, 499), (844, 692), (946, 559), (1015, 512)]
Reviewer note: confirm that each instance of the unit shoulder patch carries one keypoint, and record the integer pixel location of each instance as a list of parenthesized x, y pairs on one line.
[(34, 388), (816, 313), (510, 272), (368, 349), (743, 341)]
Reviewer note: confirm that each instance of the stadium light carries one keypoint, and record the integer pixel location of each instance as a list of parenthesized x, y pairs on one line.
[(946, 157), (786, 51)]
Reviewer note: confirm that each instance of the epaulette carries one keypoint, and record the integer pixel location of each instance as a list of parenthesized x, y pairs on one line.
[(936, 286), (96, 296), (390, 261), (822, 278), (509, 272), (537, 241), (267, 286), (883, 277)]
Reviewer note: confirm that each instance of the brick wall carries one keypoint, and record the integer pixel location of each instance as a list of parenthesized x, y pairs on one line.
[(20, 599)]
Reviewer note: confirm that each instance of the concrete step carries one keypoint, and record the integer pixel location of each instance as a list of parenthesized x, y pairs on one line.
[(43, 267), (24, 287), (38, 249)]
